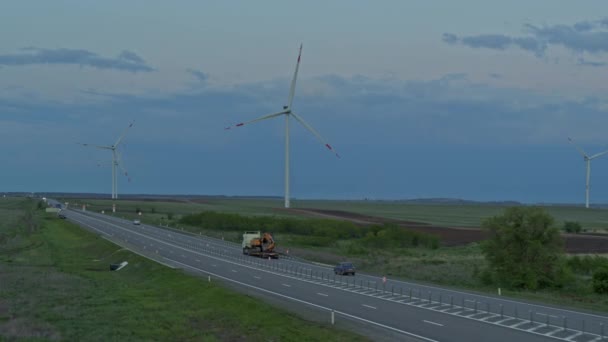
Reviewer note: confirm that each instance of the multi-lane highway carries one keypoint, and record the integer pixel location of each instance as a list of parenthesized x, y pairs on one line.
[(407, 310)]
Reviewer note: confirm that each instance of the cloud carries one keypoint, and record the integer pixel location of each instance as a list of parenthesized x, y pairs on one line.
[(497, 42), (490, 41), (450, 38), (125, 61), (583, 62), (570, 38), (199, 75), (583, 26), (582, 37), (449, 109)]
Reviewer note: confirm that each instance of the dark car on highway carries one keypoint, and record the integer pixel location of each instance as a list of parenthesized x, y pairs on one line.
[(344, 268)]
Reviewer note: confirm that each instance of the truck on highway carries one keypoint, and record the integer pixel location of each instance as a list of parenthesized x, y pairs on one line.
[(259, 244)]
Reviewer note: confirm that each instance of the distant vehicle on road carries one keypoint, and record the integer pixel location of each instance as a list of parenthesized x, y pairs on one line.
[(137, 222), (61, 216), (344, 268)]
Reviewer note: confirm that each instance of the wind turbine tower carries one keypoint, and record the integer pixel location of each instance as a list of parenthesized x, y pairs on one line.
[(116, 160), (287, 112), (587, 160)]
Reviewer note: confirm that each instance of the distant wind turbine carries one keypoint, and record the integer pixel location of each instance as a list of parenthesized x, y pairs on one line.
[(288, 112), (116, 160), (588, 160)]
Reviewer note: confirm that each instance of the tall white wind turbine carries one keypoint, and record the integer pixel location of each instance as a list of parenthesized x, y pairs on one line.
[(588, 160), (116, 160), (287, 111)]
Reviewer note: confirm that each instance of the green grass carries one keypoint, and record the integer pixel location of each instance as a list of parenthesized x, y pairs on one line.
[(58, 286)]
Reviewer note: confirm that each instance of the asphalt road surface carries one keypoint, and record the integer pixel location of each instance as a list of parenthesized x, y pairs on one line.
[(407, 310)]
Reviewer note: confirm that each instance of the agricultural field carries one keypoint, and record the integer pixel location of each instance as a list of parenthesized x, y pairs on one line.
[(56, 285), (446, 215)]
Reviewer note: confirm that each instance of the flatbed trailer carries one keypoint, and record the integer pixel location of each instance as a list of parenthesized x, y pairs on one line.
[(257, 244)]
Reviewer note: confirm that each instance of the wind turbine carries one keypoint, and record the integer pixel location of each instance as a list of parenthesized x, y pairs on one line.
[(588, 160), (116, 161), (289, 113)]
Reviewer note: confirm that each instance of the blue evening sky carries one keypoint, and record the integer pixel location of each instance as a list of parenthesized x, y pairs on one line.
[(468, 99)]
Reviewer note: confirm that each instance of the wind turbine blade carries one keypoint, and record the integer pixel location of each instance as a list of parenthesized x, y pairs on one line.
[(292, 89), (123, 134), (258, 119), (580, 150), (313, 131), (96, 146), (598, 155)]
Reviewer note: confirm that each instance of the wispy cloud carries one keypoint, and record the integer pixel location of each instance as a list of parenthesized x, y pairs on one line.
[(497, 42), (199, 75), (125, 61), (582, 37), (569, 37), (583, 62)]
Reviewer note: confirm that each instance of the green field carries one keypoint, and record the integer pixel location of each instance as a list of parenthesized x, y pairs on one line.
[(55, 284), (466, 215)]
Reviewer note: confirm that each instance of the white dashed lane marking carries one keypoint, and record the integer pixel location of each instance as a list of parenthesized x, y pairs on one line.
[(369, 306), (433, 323)]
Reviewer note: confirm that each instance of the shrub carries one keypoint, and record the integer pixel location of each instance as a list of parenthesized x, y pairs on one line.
[(600, 280), (315, 241), (572, 227), (587, 264), (377, 236), (524, 249)]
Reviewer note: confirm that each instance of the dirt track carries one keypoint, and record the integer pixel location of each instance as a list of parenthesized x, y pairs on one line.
[(574, 243)]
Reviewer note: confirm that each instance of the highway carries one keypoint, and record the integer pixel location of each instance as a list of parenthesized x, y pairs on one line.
[(411, 311)]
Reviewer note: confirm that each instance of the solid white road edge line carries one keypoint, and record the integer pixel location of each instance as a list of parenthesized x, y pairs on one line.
[(305, 302)]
